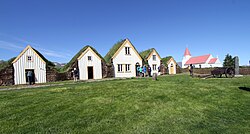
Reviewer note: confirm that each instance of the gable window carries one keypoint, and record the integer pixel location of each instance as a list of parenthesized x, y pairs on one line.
[(154, 67), (89, 58), (127, 50), (119, 67), (29, 58), (154, 57), (127, 67)]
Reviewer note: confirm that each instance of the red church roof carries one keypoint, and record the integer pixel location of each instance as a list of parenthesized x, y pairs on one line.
[(198, 60), (212, 61), (187, 52)]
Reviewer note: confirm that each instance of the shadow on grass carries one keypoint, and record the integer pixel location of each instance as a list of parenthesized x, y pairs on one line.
[(245, 88)]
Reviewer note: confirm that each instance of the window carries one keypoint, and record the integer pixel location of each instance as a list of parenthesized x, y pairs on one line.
[(154, 57), (154, 67), (89, 58), (171, 65), (119, 67), (200, 66), (29, 58), (127, 50), (127, 67)]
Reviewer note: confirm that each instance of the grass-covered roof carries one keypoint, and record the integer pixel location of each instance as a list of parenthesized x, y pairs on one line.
[(144, 54), (74, 59), (112, 51), (165, 60), (48, 63)]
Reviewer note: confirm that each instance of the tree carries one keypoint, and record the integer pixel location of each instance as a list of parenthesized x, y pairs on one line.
[(228, 61)]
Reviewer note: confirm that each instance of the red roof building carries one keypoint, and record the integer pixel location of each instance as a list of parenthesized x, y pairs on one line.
[(198, 60), (203, 61), (212, 61)]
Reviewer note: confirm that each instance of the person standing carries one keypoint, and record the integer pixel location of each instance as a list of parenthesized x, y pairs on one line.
[(144, 70), (138, 71), (159, 70), (75, 74), (141, 72), (149, 71), (29, 75), (190, 68)]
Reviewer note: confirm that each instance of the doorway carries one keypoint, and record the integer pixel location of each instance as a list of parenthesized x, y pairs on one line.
[(136, 69), (90, 73), (33, 75), (171, 68)]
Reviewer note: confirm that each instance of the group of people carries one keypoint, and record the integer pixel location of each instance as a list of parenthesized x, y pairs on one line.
[(144, 71)]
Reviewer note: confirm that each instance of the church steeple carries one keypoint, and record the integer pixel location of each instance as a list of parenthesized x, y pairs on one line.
[(187, 52), (186, 57)]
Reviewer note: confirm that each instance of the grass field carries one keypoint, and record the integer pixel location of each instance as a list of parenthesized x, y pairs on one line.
[(173, 104)]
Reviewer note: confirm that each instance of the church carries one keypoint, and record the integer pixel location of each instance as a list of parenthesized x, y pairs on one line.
[(203, 61)]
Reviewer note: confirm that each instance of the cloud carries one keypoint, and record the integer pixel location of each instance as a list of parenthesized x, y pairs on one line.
[(51, 53), (10, 46)]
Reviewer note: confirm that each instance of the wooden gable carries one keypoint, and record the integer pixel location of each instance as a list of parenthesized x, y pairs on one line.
[(131, 45), (89, 49), (27, 48)]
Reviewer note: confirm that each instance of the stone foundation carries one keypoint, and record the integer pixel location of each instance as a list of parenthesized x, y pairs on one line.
[(7, 76)]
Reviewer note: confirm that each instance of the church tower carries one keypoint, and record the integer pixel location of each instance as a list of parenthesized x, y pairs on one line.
[(186, 57)]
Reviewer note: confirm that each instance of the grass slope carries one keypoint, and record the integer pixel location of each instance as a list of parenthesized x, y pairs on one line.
[(173, 104)]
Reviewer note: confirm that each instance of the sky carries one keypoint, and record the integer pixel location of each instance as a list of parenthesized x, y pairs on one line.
[(60, 28)]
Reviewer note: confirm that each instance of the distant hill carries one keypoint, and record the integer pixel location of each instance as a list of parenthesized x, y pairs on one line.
[(59, 65)]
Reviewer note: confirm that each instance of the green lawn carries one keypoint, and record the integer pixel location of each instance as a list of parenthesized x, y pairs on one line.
[(173, 104)]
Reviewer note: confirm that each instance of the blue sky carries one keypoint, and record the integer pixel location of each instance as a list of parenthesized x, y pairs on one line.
[(59, 29)]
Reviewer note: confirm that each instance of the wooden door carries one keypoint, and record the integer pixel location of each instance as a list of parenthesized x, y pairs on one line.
[(171, 69)]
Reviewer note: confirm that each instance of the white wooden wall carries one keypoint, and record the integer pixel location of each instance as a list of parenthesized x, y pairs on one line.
[(151, 62), (122, 58), (83, 64), (22, 63)]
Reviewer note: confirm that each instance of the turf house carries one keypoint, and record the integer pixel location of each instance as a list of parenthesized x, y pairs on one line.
[(170, 64), (152, 59), (30, 60), (124, 58), (90, 64)]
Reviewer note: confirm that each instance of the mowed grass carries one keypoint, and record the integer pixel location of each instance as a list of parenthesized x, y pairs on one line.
[(173, 104)]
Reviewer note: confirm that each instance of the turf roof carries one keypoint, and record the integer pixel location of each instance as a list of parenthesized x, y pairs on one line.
[(48, 63), (166, 59), (74, 59), (113, 50), (146, 53)]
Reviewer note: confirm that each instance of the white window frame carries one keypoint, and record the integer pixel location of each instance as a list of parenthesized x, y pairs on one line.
[(127, 50), (127, 68), (154, 67), (90, 58), (154, 57), (119, 68), (29, 58)]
